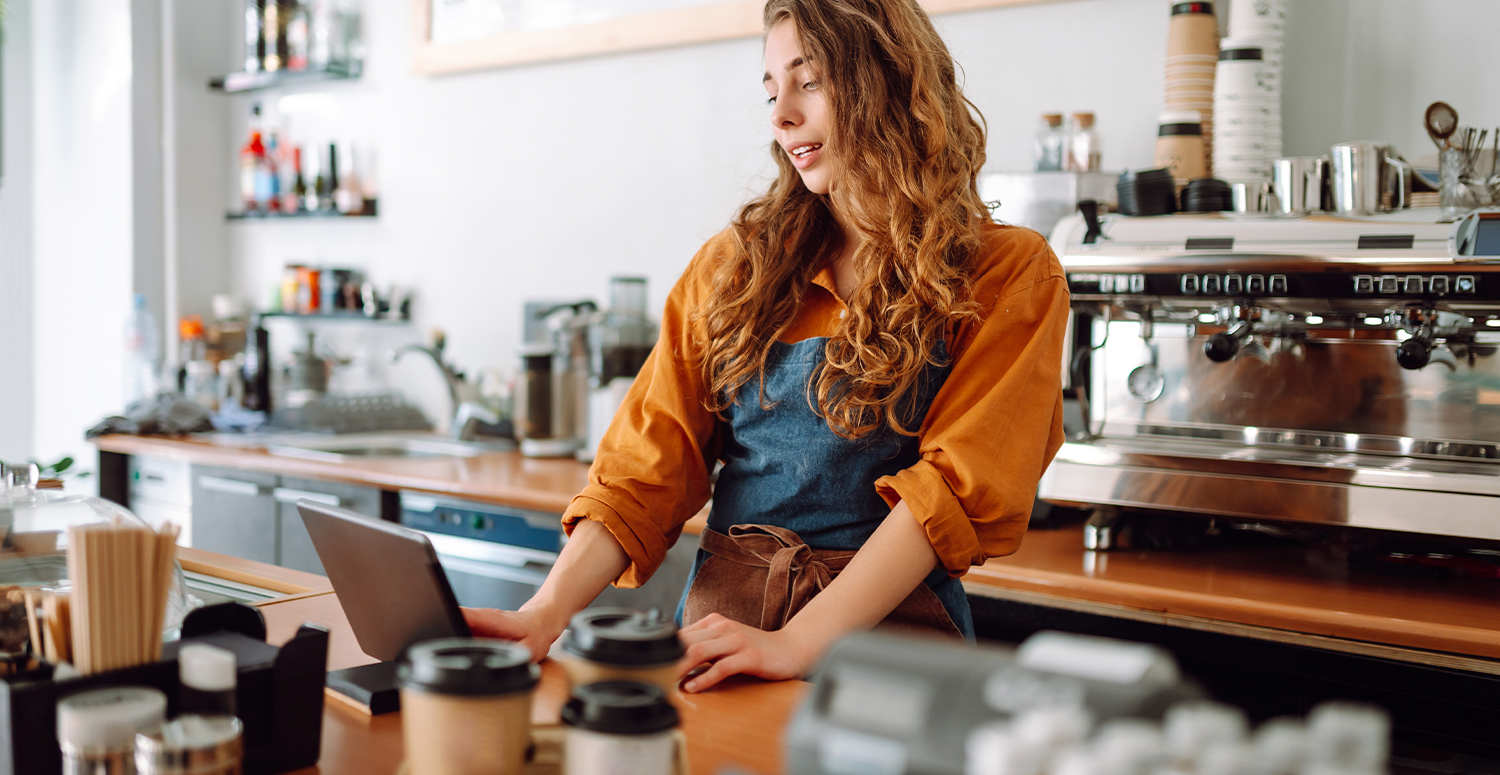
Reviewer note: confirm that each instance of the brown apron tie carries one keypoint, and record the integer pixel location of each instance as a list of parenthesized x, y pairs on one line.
[(762, 575)]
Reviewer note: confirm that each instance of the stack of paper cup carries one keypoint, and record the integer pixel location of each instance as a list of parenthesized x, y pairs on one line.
[(1192, 54), (1262, 24), (1242, 152)]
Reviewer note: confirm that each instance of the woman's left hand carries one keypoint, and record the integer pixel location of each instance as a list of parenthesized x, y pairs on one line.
[(730, 648)]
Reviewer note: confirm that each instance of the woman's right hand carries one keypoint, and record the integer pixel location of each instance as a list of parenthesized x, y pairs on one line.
[(529, 628)]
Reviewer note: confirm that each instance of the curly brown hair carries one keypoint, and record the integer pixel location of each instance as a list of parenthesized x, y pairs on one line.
[(908, 147)]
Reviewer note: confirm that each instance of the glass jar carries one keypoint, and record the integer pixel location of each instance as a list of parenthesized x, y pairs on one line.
[(34, 549), (1456, 193)]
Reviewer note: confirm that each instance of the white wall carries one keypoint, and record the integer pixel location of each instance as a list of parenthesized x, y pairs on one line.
[(1368, 69), (16, 346), (82, 238)]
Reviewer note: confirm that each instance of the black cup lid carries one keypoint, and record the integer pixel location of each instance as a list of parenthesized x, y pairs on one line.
[(620, 708), (1194, 7), (467, 666), (1207, 186), (623, 636), (1159, 175)]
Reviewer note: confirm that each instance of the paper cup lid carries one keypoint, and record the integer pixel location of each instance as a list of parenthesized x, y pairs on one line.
[(623, 636), (620, 708), (467, 666), (109, 719)]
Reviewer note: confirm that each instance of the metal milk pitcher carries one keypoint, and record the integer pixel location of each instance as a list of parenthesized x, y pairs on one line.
[(1369, 177)]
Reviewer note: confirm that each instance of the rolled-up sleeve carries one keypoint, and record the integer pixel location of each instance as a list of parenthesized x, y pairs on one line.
[(651, 473), (997, 422)]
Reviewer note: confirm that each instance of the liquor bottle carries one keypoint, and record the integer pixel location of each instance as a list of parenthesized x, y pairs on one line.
[(268, 178), (255, 35), (297, 200), (277, 14), (252, 154), (298, 39), (321, 189), (329, 181), (349, 196)]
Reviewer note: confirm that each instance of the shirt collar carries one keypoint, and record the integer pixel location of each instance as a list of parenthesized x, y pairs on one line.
[(824, 279)]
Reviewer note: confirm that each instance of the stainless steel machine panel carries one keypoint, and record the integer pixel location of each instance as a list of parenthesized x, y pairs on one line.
[(1309, 370)]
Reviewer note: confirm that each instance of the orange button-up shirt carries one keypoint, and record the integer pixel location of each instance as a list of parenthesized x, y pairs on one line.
[(990, 432)]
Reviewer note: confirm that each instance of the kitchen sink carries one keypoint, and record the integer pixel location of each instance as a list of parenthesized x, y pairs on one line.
[(366, 446)]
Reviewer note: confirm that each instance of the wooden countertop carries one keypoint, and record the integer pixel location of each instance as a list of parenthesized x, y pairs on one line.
[(738, 724), (499, 477), (1287, 594), (1289, 590)]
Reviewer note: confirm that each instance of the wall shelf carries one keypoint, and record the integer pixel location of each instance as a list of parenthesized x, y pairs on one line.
[(335, 317), (276, 216), (243, 81)]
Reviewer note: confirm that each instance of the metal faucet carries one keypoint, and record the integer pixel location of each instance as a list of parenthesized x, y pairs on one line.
[(468, 414)]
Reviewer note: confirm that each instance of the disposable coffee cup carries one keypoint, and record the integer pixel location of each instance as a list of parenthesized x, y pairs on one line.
[(621, 644), (619, 726), (1191, 33), (1192, 59), (466, 706), (1179, 145)]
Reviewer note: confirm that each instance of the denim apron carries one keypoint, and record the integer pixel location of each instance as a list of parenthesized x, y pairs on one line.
[(784, 467)]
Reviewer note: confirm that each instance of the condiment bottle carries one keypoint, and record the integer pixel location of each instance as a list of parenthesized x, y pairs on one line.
[(466, 706), (206, 739), (209, 676), (1083, 144), (192, 745), (622, 644), (96, 730), (1047, 154), (618, 726)]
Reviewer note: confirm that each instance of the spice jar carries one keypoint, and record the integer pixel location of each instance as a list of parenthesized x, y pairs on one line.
[(192, 745), (96, 730)]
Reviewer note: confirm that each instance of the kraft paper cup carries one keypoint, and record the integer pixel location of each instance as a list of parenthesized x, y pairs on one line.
[(610, 644), (1204, 68), (582, 672), (466, 706), (1191, 34), (1192, 59)]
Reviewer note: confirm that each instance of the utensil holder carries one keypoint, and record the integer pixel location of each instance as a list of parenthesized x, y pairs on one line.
[(278, 694)]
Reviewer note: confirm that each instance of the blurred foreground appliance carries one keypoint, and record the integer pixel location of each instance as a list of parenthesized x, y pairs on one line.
[(1316, 370), (883, 703)]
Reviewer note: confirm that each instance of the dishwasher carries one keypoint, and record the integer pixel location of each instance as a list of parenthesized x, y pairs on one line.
[(494, 556), (498, 556)]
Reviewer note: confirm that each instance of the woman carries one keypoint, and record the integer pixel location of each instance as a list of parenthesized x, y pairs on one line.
[(875, 363)]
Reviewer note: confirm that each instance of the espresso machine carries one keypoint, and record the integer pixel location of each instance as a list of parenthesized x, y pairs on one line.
[(1321, 370)]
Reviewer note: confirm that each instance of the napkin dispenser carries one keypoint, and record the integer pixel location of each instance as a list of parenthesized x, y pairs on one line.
[(278, 696)]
